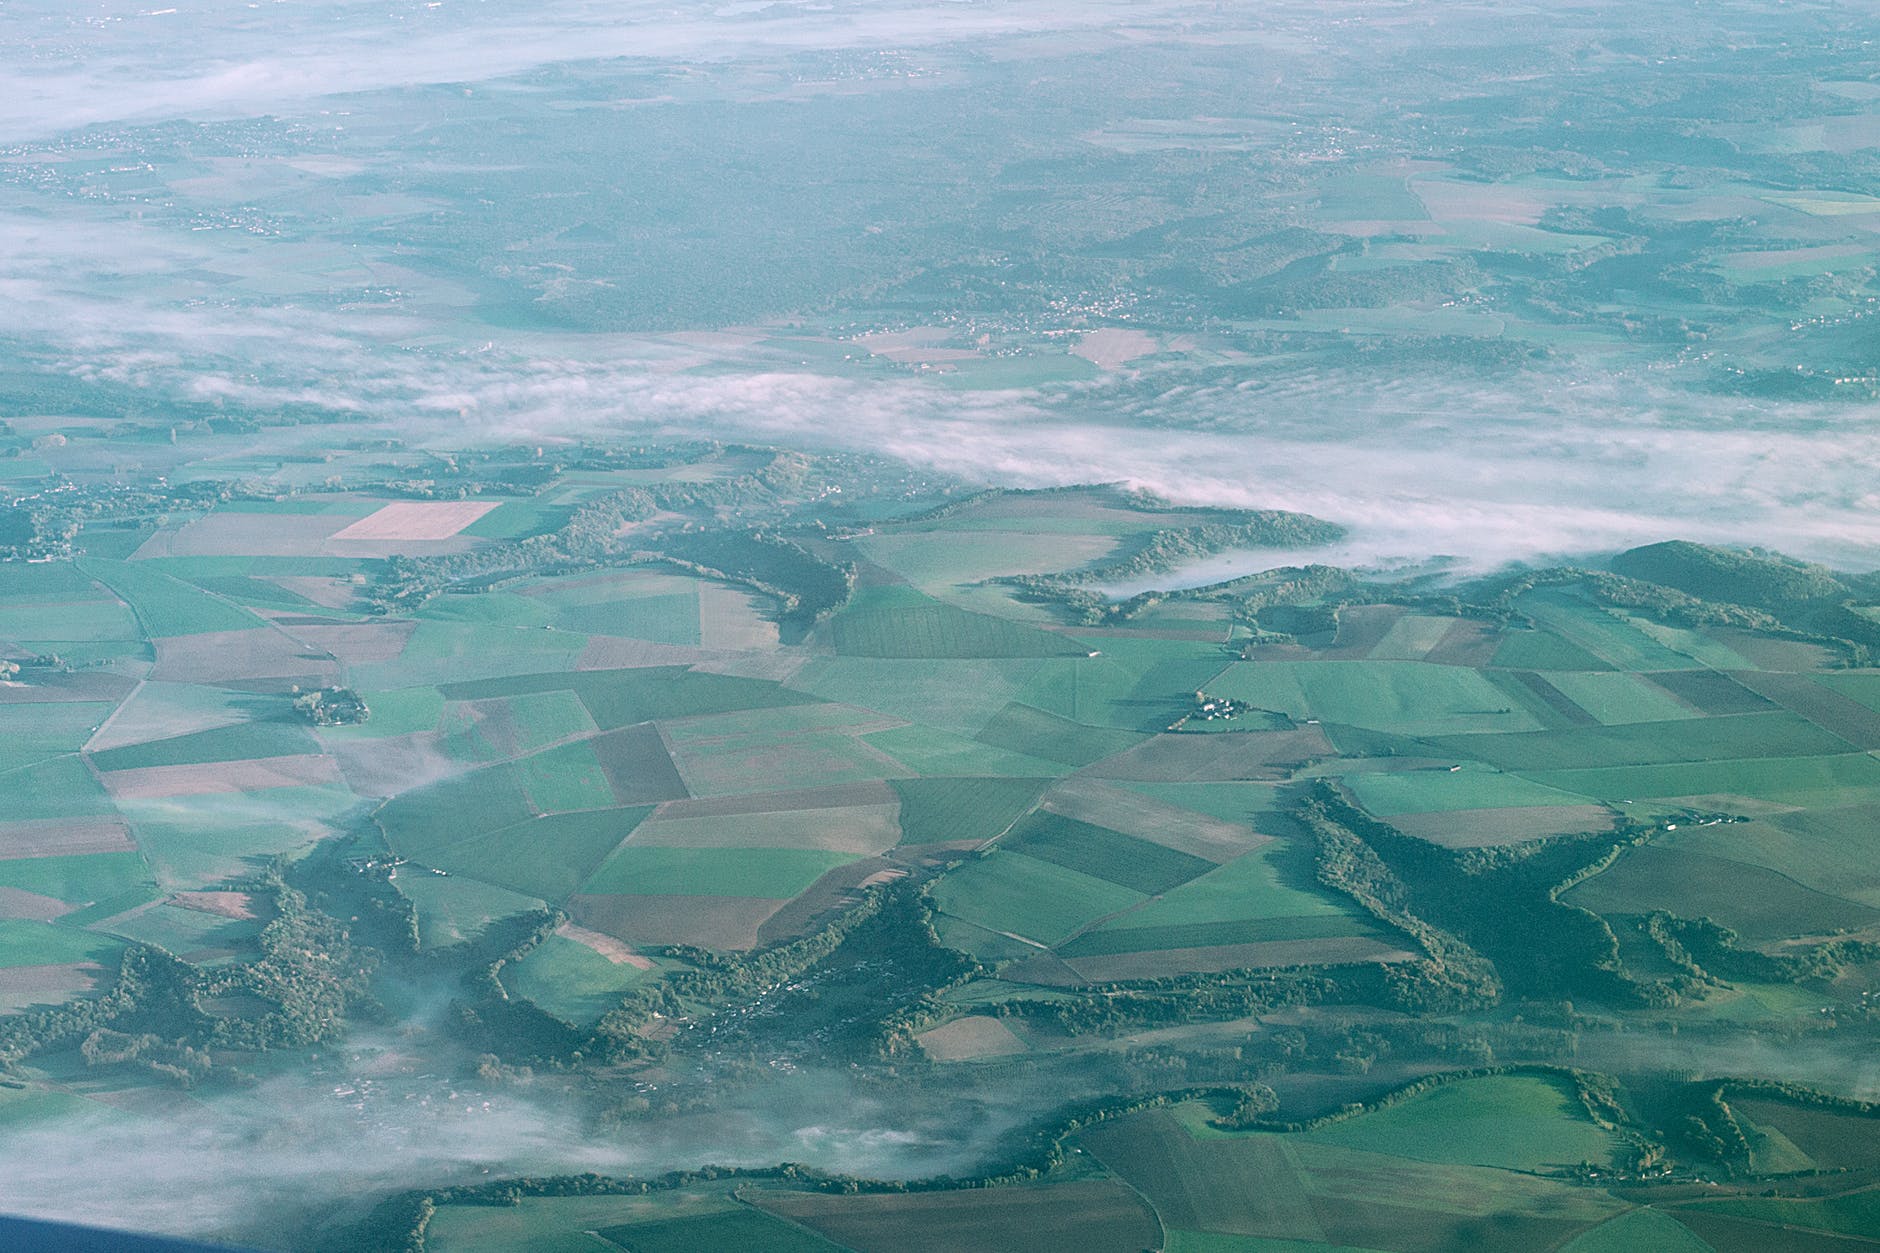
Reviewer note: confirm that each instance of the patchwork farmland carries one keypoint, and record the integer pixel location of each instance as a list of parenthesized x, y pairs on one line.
[(903, 797)]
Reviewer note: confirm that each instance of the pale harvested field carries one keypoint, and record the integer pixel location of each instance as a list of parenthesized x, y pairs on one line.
[(1104, 805), (356, 644), (916, 345), (1163, 963), (615, 951), (158, 711), (966, 1039), (221, 904), (1113, 346), (235, 656), (1239, 755), (321, 590), (1480, 828), (394, 764), (21, 986), (610, 585), (837, 796), (64, 837), (31, 906), (618, 652), (725, 923), (416, 520), (251, 775), (734, 619), (862, 829)]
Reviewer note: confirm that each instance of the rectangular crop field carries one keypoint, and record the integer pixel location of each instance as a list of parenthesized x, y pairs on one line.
[(962, 809), (1389, 793), (1766, 735), (1035, 733), (1790, 780), (1045, 902), (1110, 855), (1405, 697), (1273, 882), (547, 857), (859, 830), (416, 520), (618, 698), (901, 622), (774, 873), (166, 606)]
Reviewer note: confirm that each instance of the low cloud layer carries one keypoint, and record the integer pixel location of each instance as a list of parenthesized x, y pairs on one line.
[(137, 62), (1535, 463), (1540, 465)]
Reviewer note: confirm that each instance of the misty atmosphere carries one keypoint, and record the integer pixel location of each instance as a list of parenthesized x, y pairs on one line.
[(983, 625)]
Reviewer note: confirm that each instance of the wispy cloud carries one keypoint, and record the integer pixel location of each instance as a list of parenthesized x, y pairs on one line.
[(121, 62)]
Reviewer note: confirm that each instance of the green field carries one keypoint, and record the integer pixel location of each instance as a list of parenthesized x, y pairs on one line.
[(962, 808), (548, 857), (1619, 698), (1766, 736), (1123, 860), (1761, 904), (79, 879), (1125, 936), (571, 980), (901, 622), (189, 848), (25, 943), (1515, 1122), (1135, 685), (1787, 780), (952, 694), (453, 652), (1403, 697), (1856, 1214), (404, 711), (1269, 883), (457, 908), (240, 742), (1042, 901), (1388, 793), (1302, 1192), (1831, 850), (618, 698), (428, 819), (1606, 635), (927, 751), (42, 622), (1022, 729), (56, 787), (1229, 801), (1640, 1231), (670, 619), (167, 607), (732, 1229), (1862, 686), (565, 778), (564, 1224)]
